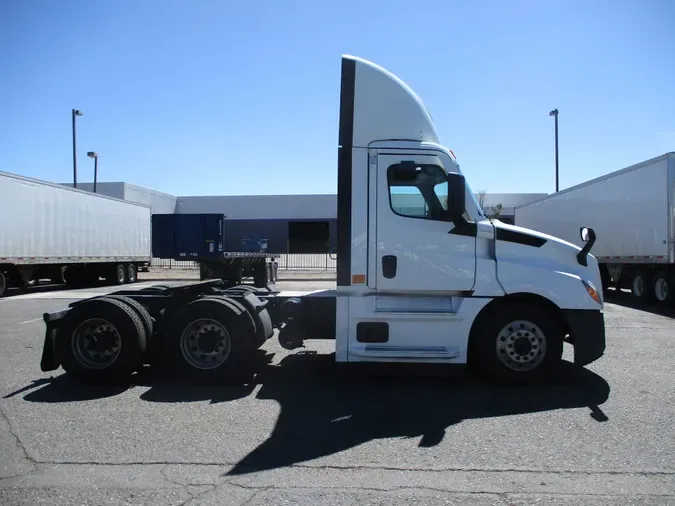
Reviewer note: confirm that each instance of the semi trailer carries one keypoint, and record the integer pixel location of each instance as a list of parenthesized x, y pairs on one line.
[(49, 231), (632, 210), (436, 282), (201, 238)]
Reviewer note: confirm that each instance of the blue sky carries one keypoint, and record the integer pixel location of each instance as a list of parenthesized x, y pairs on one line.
[(230, 98)]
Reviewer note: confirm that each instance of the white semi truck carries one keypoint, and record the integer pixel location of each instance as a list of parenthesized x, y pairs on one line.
[(49, 231), (632, 210), (434, 283)]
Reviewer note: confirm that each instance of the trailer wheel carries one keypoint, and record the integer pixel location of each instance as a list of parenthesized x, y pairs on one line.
[(208, 339), (519, 342), (3, 283), (641, 286), (663, 288), (101, 340), (132, 273), (260, 275)]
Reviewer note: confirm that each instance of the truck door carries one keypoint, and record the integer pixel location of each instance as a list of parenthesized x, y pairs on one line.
[(417, 251)]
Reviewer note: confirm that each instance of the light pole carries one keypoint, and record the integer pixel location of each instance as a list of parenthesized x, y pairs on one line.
[(554, 112), (75, 113), (94, 155)]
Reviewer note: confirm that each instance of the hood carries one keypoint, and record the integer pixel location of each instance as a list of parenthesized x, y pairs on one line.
[(514, 231)]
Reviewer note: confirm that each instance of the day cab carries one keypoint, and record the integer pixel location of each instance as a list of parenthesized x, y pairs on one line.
[(423, 275)]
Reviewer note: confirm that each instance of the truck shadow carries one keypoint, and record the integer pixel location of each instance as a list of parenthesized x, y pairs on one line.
[(327, 409), (333, 412), (625, 299)]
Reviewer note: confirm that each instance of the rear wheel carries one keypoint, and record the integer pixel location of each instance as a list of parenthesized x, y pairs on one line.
[(132, 273), (139, 309), (101, 340), (663, 288), (517, 342), (641, 287), (260, 275), (3, 283), (210, 338), (117, 275)]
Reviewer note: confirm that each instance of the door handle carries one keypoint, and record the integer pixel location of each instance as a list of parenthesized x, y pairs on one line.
[(389, 264)]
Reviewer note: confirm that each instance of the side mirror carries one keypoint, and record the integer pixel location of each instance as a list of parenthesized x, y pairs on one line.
[(456, 195)]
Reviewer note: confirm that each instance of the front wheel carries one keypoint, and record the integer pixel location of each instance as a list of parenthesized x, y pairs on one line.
[(517, 343)]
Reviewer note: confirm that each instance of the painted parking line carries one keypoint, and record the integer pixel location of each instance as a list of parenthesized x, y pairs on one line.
[(31, 321)]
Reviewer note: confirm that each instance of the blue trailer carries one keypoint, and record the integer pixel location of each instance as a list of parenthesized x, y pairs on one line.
[(202, 238)]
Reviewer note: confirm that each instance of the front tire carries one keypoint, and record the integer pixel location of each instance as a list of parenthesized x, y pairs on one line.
[(517, 343)]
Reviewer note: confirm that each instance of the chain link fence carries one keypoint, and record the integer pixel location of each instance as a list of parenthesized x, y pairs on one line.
[(315, 262)]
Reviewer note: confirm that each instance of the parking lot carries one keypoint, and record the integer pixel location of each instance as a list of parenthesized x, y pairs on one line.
[(302, 431)]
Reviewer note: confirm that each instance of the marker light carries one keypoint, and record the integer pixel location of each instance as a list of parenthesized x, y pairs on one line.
[(592, 291)]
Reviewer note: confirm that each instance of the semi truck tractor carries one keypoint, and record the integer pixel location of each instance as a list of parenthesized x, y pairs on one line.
[(632, 211), (49, 231), (436, 282)]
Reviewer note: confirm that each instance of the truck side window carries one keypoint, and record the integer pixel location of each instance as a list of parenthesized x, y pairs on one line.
[(418, 191)]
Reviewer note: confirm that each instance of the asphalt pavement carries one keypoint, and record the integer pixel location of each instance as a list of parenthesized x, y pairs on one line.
[(304, 431)]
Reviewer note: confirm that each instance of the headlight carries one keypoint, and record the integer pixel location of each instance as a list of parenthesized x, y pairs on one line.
[(592, 291)]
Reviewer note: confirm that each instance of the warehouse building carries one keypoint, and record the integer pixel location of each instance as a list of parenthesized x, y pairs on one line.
[(287, 223)]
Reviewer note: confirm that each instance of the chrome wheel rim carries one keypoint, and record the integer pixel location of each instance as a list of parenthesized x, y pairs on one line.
[(132, 274), (205, 343), (661, 289), (120, 275), (96, 343), (521, 345), (638, 286)]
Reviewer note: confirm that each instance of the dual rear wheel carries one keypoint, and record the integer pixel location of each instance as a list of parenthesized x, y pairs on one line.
[(653, 288), (108, 338)]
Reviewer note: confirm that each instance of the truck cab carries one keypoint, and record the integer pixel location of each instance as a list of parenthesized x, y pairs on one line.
[(423, 274)]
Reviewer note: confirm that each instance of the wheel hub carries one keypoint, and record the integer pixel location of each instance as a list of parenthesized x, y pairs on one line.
[(96, 343), (521, 345), (205, 343)]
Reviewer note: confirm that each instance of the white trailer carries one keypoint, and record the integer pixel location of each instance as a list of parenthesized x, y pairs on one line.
[(49, 231), (437, 282), (632, 211)]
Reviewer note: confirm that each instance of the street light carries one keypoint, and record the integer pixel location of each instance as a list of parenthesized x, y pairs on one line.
[(94, 155), (75, 113), (554, 112)]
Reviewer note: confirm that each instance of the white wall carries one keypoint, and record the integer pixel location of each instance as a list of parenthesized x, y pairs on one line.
[(160, 203), (262, 207)]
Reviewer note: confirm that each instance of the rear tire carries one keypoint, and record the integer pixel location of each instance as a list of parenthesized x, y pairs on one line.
[(663, 288), (101, 341), (132, 273), (517, 343), (260, 275), (3, 284), (117, 275), (139, 309), (209, 339), (641, 287)]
